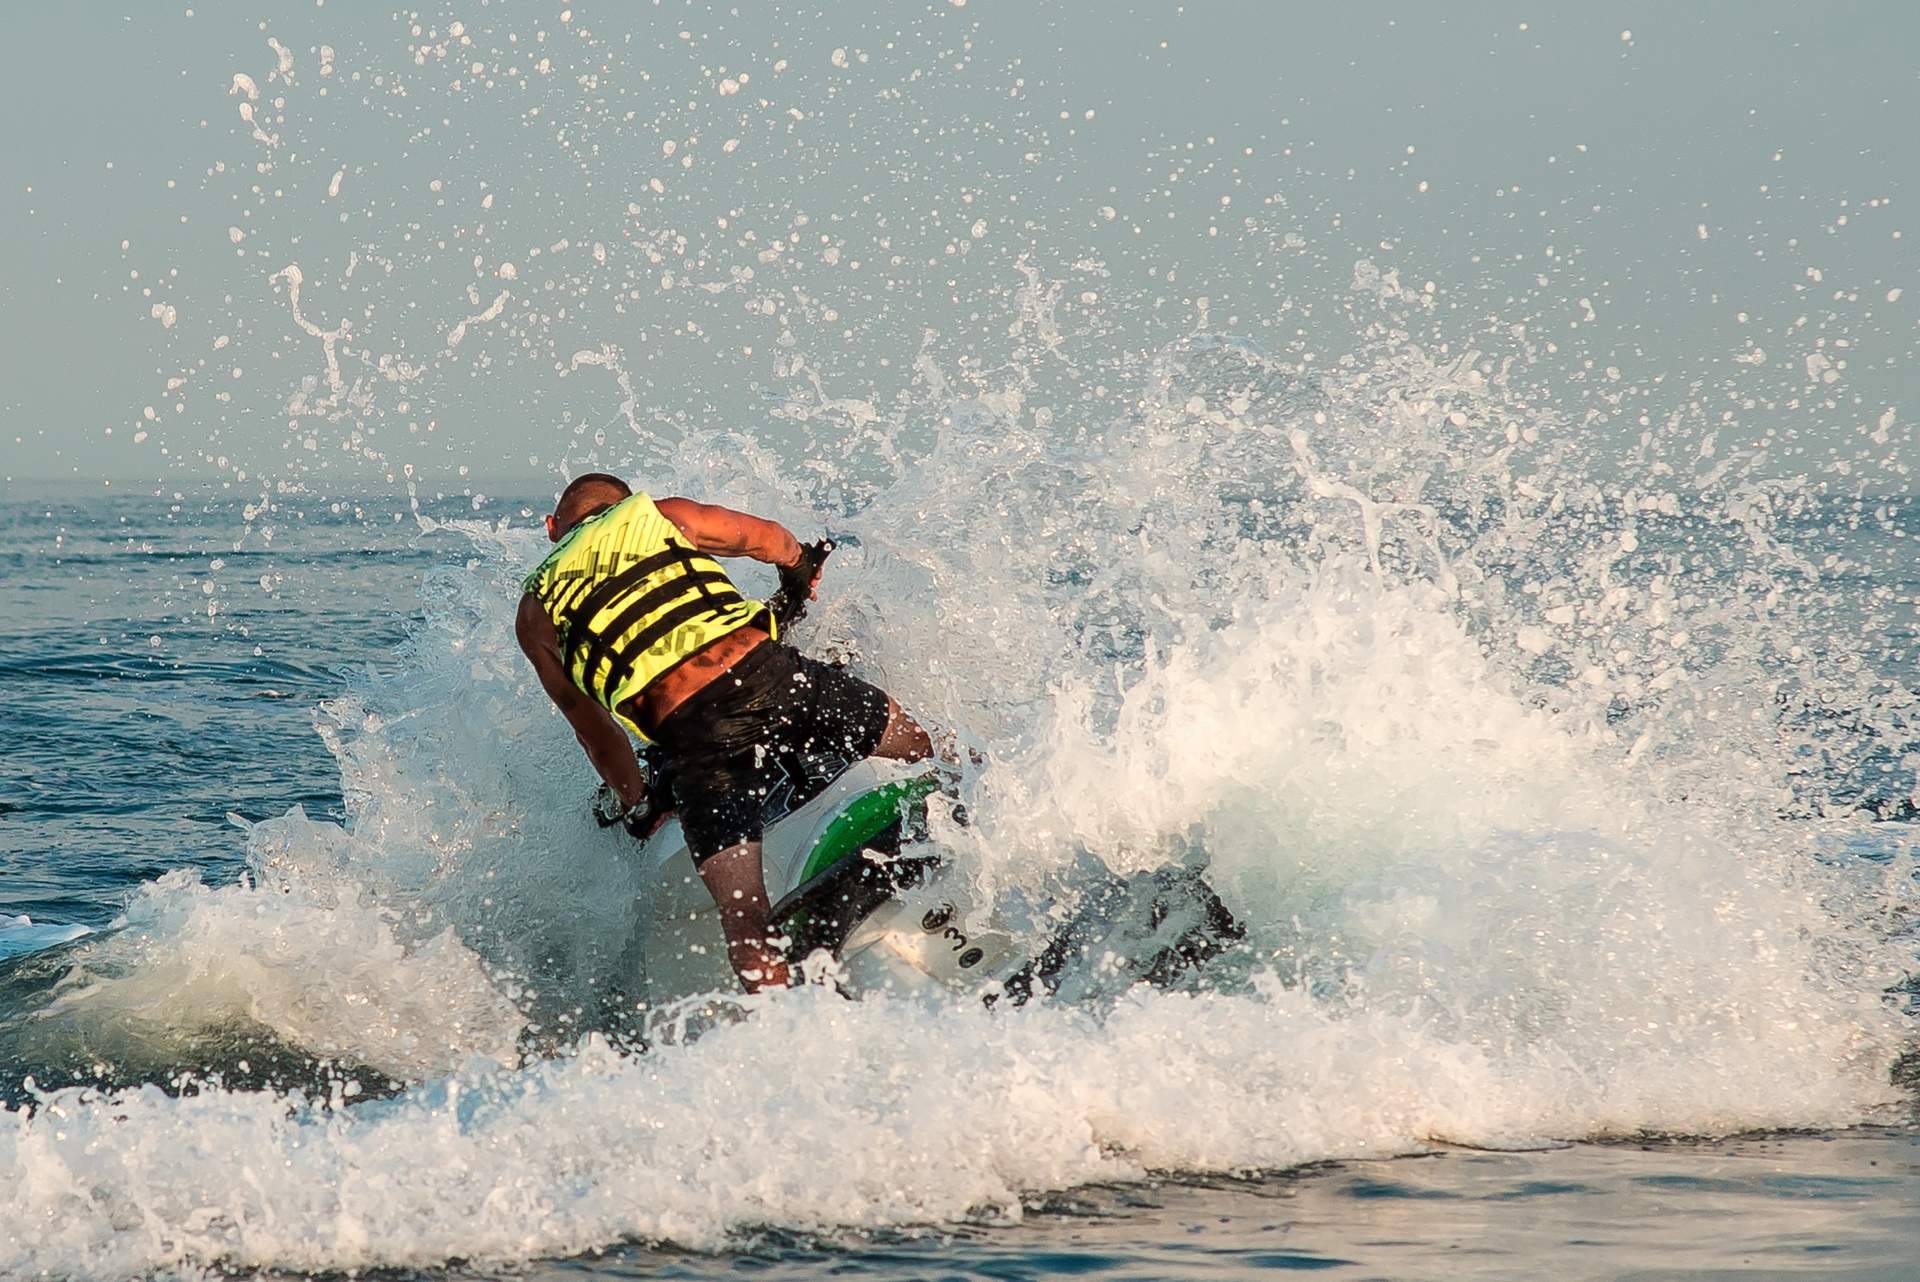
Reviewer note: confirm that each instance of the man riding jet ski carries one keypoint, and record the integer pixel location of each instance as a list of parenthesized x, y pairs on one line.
[(798, 815)]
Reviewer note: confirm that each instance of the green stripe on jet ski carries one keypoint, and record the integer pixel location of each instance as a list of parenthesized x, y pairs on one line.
[(865, 817)]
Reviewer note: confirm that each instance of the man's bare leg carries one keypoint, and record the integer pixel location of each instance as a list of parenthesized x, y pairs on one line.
[(739, 887)]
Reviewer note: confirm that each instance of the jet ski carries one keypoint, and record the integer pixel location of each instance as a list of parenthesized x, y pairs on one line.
[(861, 890)]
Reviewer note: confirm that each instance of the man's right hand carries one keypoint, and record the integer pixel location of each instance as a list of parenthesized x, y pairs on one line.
[(802, 576), (798, 581)]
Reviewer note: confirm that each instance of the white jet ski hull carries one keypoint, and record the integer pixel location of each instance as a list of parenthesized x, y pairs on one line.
[(851, 873)]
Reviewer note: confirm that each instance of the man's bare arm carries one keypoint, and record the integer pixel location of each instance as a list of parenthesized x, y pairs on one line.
[(606, 744), (721, 531)]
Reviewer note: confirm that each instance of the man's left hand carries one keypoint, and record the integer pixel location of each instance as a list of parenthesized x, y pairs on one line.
[(641, 819)]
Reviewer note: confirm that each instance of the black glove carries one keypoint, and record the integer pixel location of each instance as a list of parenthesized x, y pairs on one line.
[(789, 604), (608, 810)]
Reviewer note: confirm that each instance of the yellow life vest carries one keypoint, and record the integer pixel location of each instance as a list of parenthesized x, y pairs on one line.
[(631, 598)]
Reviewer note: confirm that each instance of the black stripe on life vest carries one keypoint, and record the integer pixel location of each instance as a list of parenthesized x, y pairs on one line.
[(661, 628), (567, 594), (579, 617), (603, 640)]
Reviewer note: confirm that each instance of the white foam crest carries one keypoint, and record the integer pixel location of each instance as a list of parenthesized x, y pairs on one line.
[(467, 799), (813, 1113), (1399, 828), (331, 977), (1362, 719), (21, 934)]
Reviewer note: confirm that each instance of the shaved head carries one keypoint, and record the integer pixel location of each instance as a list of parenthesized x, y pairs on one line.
[(585, 495)]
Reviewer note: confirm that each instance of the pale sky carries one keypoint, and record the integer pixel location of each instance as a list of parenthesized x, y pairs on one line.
[(1704, 175)]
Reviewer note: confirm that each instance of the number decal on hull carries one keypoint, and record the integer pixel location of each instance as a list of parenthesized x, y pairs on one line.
[(935, 922)]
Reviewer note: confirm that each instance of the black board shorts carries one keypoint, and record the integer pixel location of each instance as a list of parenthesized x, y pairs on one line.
[(762, 739)]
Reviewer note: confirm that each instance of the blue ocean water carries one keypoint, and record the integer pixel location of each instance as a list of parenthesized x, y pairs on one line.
[(141, 720), (166, 663)]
